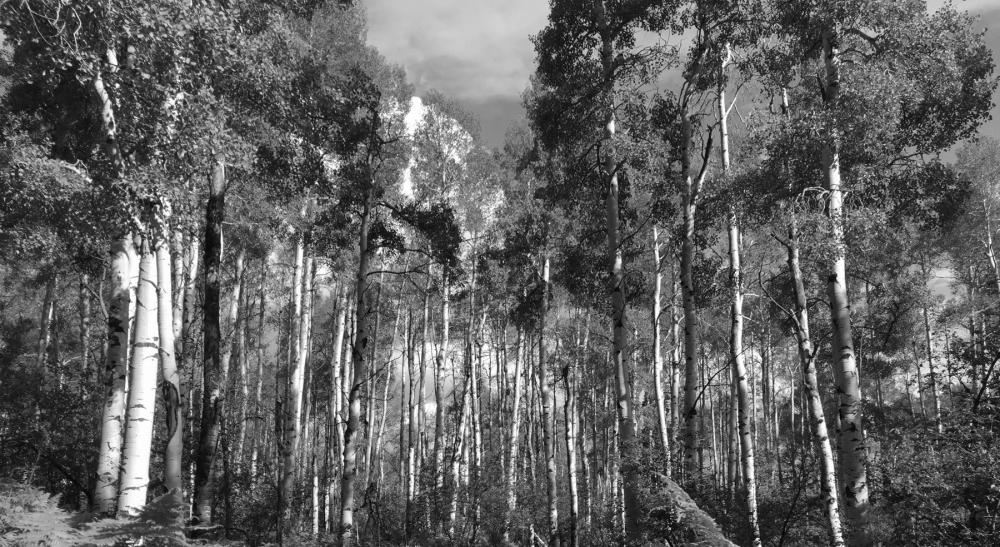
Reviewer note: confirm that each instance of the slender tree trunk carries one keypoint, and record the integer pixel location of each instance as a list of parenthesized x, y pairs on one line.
[(116, 377), (335, 401), (817, 418), (736, 336), (240, 327), (572, 431), (348, 535), (259, 428), (142, 390), (740, 377), (212, 373), (675, 368), (116, 365), (693, 441), (661, 413), (171, 387), (292, 407), (442, 358), (633, 512), (852, 436), (46, 321), (460, 445), (515, 440), (547, 399), (85, 312)]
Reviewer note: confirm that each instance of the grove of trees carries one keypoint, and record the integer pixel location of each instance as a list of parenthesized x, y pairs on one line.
[(735, 281)]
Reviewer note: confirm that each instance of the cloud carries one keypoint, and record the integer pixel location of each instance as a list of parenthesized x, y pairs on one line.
[(479, 51), (469, 49)]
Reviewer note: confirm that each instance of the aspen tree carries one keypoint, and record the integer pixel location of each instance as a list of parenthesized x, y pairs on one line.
[(171, 386), (212, 372), (514, 440), (661, 412), (116, 377), (292, 407), (852, 435), (737, 356), (142, 390), (547, 400)]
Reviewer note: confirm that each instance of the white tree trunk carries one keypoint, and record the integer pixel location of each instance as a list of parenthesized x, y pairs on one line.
[(171, 388), (142, 391), (853, 457), (116, 376)]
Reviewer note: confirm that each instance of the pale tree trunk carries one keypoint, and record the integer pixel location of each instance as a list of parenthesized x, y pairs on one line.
[(632, 510), (736, 336), (212, 373), (515, 440), (177, 252), (292, 408), (675, 368), (572, 431), (853, 458), (116, 377), (404, 413), (740, 377), (930, 363), (303, 442), (372, 384), (817, 418), (45, 324), (348, 535), (661, 412), (442, 358), (122, 256), (240, 326), (547, 400), (476, 416), (335, 400), (258, 422), (733, 476), (585, 445), (171, 388), (459, 458), (412, 421), (142, 391), (190, 396)]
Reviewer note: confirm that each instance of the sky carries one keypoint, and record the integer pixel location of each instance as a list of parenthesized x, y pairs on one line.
[(480, 52)]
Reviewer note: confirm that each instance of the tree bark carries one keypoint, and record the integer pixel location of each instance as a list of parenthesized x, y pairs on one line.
[(142, 391), (935, 400), (46, 321), (661, 412), (116, 377), (171, 387), (633, 512), (853, 457), (817, 418), (259, 427), (348, 534), (292, 407), (736, 335), (442, 358), (572, 431), (547, 400), (212, 373), (515, 440), (335, 401)]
